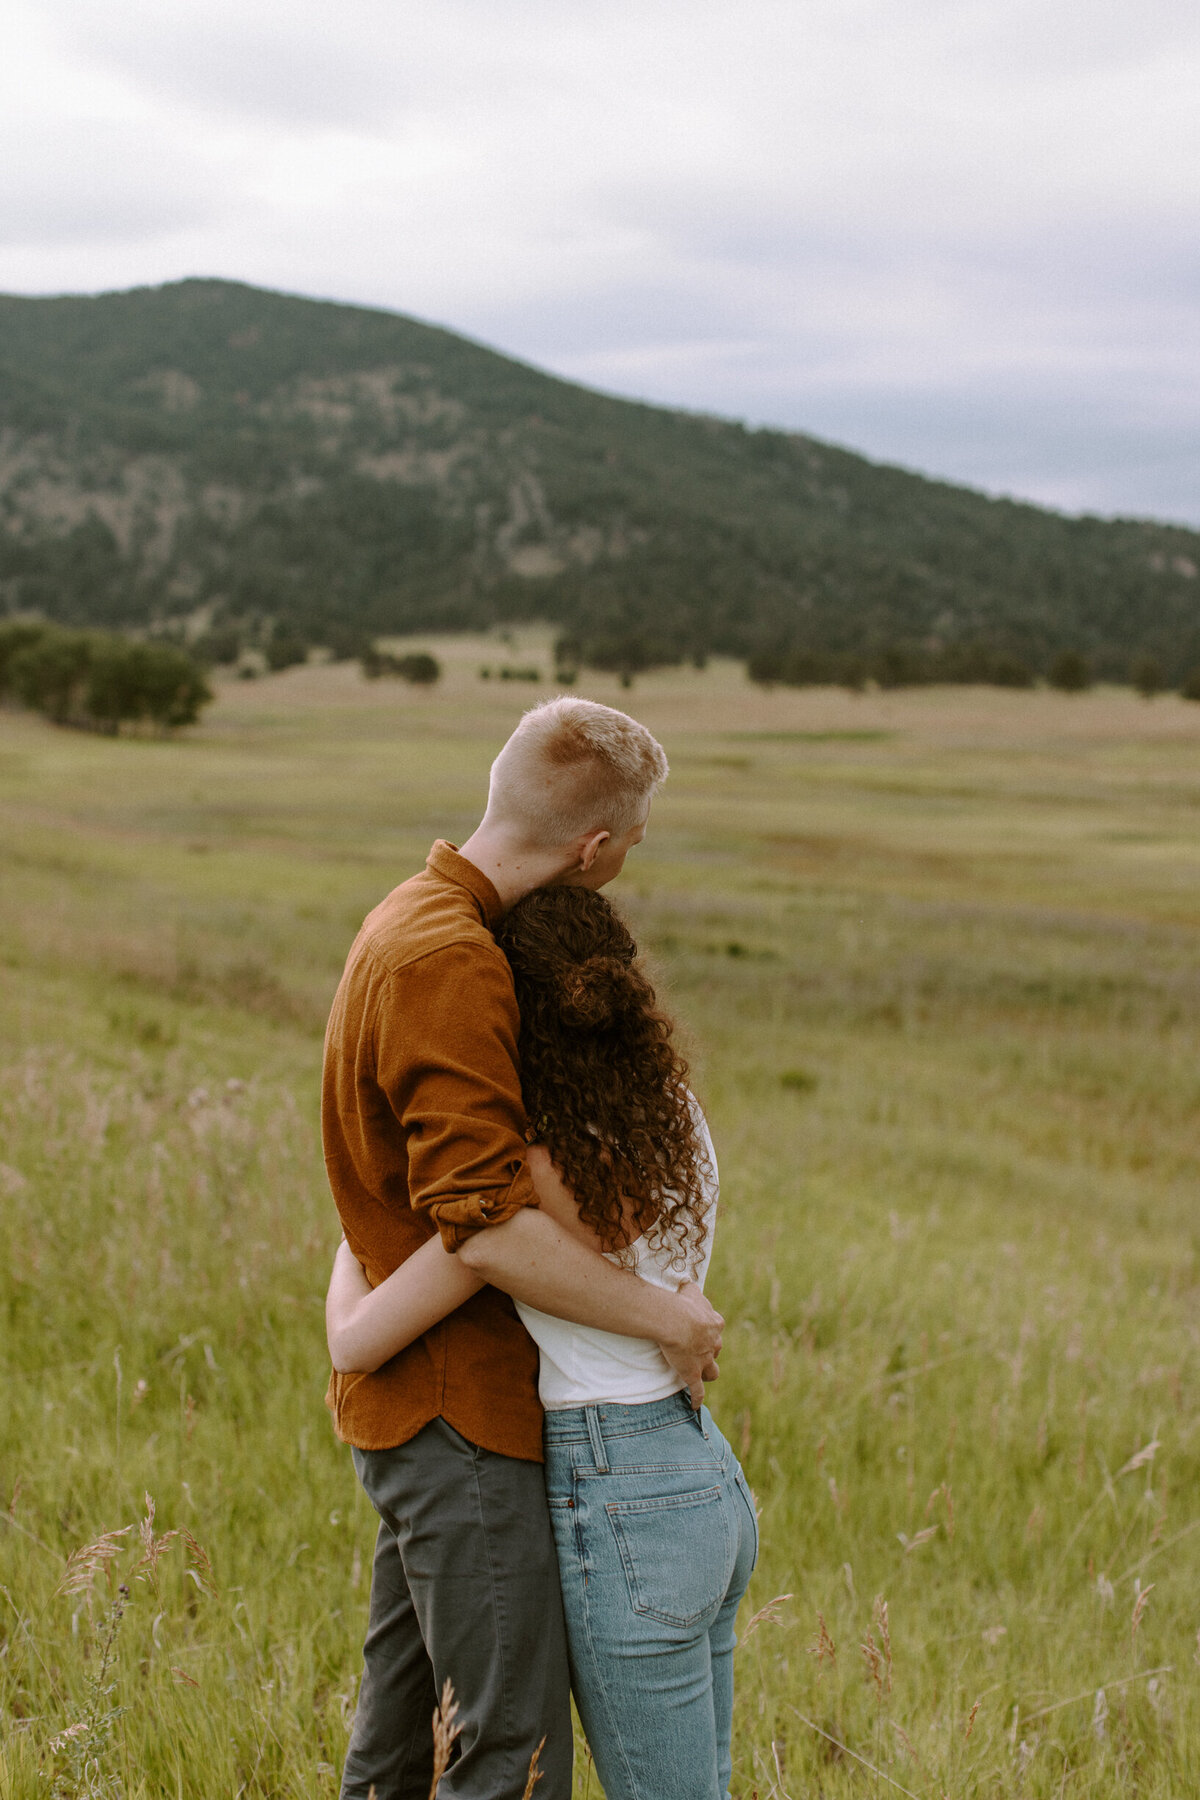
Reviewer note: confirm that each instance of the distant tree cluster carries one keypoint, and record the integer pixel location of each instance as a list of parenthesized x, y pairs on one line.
[(280, 644), (99, 680), (624, 650), (978, 664), (418, 667)]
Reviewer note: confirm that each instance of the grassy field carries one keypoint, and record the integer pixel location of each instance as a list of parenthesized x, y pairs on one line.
[(936, 953)]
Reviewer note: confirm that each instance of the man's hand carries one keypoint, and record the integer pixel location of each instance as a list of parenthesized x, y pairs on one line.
[(694, 1341)]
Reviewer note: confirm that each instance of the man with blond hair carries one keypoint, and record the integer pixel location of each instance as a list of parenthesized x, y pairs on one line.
[(425, 1131)]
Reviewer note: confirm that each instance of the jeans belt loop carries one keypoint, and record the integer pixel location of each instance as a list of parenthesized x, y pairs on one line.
[(595, 1438)]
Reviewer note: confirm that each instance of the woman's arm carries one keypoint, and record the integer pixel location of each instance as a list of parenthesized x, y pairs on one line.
[(366, 1325)]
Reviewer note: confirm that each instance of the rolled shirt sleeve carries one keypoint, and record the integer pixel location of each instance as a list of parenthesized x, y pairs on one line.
[(446, 1058)]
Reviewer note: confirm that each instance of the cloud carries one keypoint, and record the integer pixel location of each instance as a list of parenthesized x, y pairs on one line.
[(64, 184), (845, 215)]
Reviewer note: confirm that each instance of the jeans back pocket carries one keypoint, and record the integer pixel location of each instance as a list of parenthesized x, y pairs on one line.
[(677, 1553)]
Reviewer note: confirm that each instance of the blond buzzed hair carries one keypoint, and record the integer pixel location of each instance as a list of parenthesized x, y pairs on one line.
[(573, 767)]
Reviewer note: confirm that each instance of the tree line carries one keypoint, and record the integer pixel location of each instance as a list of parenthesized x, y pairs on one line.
[(99, 680), (978, 664)]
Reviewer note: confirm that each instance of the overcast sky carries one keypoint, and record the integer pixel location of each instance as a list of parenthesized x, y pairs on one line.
[(962, 235)]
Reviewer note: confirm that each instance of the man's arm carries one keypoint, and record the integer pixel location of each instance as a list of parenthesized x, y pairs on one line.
[(535, 1260), (447, 1060)]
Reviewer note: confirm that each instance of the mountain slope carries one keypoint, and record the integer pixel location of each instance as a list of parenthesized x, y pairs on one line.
[(337, 470)]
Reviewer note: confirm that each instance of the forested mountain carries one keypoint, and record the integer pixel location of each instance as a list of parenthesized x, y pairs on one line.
[(217, 452)]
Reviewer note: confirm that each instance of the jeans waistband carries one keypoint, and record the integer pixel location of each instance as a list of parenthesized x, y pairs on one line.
[(570, 1424)]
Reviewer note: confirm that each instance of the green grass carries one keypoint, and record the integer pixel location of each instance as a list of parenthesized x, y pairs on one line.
[(937, 958)]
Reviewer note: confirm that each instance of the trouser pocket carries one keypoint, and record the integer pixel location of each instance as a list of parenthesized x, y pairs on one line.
[(677, 1553)]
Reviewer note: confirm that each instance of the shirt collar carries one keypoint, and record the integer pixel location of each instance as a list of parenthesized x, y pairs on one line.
[(444, 860)]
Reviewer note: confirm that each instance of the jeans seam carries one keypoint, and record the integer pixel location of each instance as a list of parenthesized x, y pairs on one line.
[(599, 1694), (660, 1468), (743, 1488), (667, 1503)]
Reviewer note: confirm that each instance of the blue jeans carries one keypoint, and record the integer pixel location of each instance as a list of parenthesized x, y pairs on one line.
[(656, 1538)]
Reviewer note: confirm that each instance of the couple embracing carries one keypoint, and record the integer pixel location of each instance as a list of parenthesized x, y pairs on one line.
[(520, 1338)]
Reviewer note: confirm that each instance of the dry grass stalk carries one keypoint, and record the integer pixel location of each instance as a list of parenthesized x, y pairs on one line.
[(942, 1492), (91, 1560), (885, 1635), (971, 1721), (873, 1657), (907, 1742), (1139, 1460), (766, 1615), (155, 1547), (823, 1646), (879, 1774), (1139, 1607), (445, 1729), (535, 1774)]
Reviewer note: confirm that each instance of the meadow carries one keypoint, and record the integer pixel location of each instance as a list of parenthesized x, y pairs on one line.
[(935, 955)]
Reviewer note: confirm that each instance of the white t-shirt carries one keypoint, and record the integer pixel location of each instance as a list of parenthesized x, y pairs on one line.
[(583, 1366)]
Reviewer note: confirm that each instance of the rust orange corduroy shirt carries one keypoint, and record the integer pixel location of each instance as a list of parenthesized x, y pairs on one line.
[(424, 1130)]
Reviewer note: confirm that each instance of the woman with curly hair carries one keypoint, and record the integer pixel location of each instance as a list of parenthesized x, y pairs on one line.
[(653, 1522)]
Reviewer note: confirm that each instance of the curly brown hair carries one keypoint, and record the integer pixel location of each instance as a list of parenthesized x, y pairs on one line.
[(605, 1088)]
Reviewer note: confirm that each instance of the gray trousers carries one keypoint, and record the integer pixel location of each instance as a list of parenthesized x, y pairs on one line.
[(465, 1585)]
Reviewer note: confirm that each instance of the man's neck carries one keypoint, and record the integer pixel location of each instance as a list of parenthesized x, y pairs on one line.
[(513, 869)]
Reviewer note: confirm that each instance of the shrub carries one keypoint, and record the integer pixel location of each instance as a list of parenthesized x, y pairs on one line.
[(1070, 672), (48, 675), (1190, 686), (166, 684), (792, 668), (619, 648), (221, 646), (891, 665), (284, 650), (344, 642), (15, 636), (100, 680), (1010, 672), (1147, 676), (418, 667), (898, 665)]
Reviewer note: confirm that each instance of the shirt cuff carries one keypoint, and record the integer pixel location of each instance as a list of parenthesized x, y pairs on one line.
[(460, 1218)]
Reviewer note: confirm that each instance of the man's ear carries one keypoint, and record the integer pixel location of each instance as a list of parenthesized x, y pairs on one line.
[(591, 847)]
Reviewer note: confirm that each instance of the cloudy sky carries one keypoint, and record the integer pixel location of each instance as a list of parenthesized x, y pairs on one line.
[(963, 235)]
